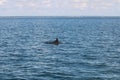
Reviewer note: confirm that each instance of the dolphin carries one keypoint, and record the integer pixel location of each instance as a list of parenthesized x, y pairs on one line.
[(56, 42)]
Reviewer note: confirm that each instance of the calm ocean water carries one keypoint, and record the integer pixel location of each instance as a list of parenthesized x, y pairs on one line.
[(90, 48)]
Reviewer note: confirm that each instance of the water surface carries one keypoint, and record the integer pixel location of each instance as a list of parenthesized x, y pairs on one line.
[(90, 48)]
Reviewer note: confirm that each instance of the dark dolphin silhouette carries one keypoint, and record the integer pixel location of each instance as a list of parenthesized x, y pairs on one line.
[(56, 42)]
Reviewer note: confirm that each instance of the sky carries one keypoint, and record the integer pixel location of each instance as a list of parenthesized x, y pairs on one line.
[(59, 7)]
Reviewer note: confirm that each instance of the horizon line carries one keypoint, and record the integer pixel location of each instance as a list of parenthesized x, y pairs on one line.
[(57, 16)]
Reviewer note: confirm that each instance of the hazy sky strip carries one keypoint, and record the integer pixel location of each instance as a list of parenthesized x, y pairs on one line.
[(59, 7)]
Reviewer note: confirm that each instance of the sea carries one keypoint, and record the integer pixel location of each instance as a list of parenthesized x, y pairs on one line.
[(89, 49)]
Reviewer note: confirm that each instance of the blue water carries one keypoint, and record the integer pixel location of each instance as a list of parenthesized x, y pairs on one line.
[(90, 48)]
